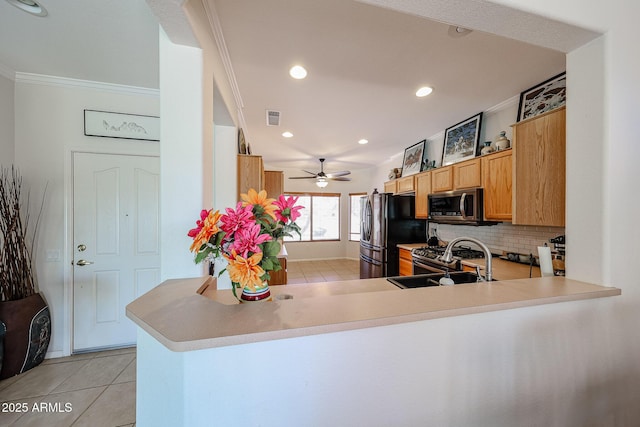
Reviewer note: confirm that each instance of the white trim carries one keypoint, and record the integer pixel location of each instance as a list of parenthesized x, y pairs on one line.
[(214, 22), (55, 354), (7, 72), (504, 104), (84, 84)]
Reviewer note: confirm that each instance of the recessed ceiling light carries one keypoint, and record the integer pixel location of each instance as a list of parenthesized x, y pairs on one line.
[(363, 141), (287, 134), (298, 72), (423, 91), (29, 6)]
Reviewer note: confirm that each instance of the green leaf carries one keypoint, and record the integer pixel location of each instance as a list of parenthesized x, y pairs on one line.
[(271, 248), (267, 264)]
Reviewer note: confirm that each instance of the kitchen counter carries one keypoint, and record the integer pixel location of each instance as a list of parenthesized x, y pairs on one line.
[(502, 269), (182, 320)]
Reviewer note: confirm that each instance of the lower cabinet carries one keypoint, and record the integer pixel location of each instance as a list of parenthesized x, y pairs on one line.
[(406, 265)]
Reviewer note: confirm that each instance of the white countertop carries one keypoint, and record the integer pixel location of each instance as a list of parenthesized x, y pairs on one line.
[(183, 320)]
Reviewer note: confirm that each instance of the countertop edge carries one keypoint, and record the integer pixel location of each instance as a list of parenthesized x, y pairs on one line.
[(156, 312)]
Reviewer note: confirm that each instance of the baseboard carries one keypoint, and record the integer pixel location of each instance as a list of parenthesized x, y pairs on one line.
[(320, 259), (55, 354)]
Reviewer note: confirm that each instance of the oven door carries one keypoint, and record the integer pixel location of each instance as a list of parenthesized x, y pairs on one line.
[(424, 267)]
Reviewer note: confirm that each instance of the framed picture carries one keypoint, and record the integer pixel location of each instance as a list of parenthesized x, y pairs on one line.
[(461, 140), (412, 162), (546, 96), (120, 125)]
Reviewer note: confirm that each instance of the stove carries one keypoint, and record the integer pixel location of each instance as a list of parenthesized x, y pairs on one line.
[(427, 258)]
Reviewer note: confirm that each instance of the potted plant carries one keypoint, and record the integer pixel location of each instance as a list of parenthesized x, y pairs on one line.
[(23, 310)]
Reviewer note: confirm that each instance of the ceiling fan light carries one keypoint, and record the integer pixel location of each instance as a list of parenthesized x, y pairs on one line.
[(322, 182)]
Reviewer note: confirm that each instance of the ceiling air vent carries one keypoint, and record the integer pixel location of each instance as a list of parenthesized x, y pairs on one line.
[(273, 118)]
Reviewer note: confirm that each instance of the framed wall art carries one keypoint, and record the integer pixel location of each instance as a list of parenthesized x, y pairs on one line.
[(120, 125), (412, 161), (543, 97), (461, 140)]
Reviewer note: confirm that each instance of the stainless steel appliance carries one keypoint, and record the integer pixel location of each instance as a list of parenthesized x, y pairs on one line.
[(386, 220), (457, 207), (428, 260)]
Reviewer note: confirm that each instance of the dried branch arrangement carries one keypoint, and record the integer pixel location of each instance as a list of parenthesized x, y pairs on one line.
[(16, 270)]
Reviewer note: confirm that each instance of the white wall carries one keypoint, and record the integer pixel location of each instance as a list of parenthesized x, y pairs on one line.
[(7, 87), (49, 125), (360, 183)]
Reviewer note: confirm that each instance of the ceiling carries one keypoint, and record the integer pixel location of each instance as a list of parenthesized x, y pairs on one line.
[(110, 41), (365, 63)]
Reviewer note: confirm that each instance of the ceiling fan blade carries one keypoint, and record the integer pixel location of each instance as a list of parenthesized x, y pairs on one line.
[(339, 173), (302, 177), (340, 178), (312, 173)]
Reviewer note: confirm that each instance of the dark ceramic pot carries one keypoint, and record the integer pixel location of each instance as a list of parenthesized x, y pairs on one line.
[(28, 323)]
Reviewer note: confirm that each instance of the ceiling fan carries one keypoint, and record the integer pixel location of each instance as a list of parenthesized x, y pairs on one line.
[(322, 179)]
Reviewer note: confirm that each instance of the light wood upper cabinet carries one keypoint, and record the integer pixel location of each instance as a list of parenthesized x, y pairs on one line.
[(250, 173), (390, 187), (539, 158), (467, 174), (405, 184), (442, 179), (423, 188), (497, 178), (274, 183)]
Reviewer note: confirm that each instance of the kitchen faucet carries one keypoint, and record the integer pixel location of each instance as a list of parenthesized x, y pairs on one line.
[(447, 256)]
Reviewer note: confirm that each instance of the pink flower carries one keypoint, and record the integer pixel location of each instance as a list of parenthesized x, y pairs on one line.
[(286, 208), (199, 223), (237, 219), (248, 238)]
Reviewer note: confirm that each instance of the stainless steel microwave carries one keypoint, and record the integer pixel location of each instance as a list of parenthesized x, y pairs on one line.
[(456, 207)]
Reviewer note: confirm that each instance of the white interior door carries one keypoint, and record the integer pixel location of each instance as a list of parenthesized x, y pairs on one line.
[(116, 244)]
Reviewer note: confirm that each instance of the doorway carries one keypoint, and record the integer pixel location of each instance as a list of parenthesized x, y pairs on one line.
[(116, 244)]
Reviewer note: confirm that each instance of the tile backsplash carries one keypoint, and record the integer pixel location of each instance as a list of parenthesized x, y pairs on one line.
[(506, 237)]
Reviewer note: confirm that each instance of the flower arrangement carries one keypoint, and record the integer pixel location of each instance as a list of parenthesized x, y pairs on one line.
[(247, 236)]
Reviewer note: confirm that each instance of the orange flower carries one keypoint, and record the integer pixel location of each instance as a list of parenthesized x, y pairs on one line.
[(260, 199), (209, 228), (245, 271)]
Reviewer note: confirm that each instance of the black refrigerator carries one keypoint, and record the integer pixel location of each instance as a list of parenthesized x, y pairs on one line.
[(386, 220)]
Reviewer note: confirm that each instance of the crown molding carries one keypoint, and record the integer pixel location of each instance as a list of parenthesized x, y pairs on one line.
[(54, 81), (7, 72), (504, 104), (218, 36)]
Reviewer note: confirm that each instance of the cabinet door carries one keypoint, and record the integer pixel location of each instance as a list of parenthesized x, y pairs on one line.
[(423, 188), (274, 183), (467, 175), (442, 179), (390, 187), (405, 185), (539, 161), (497, 183), (250, 173), (406, 264)]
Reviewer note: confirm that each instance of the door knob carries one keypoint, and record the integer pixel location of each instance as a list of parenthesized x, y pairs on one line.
[(83, 262)]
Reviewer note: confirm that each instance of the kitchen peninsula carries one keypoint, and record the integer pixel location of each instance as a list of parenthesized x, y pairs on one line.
[(337, 353)]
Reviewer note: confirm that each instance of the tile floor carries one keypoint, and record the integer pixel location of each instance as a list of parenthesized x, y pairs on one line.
[(99, 389), (322, 271), (92, 389)]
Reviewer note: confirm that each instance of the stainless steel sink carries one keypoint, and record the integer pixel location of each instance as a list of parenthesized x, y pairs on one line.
[(432, 279)]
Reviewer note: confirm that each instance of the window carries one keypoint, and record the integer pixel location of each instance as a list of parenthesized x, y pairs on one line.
[(320, 218), (354, 215)]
